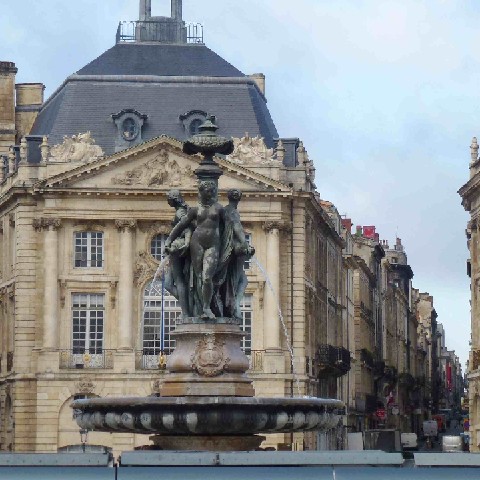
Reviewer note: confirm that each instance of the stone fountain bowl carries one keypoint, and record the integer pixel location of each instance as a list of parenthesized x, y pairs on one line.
[(207, 416)]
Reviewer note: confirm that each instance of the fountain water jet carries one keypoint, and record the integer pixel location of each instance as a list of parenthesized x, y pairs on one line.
[(207, 401)]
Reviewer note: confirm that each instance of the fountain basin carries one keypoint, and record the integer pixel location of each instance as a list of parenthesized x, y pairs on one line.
[(207, 416)]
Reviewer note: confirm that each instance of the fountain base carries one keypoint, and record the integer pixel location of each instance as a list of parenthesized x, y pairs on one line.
[(225, 443), (207, 360)]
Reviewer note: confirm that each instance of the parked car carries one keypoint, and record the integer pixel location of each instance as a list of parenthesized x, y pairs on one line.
[(409, 441), (452, 443)]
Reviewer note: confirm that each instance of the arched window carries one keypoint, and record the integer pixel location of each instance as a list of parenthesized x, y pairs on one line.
[(160, 311), (194, 124)]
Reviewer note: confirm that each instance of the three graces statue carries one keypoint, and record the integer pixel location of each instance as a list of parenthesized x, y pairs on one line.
[(207, 249)]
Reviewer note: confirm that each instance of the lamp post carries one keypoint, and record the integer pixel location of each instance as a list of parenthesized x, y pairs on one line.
[(83, 438)]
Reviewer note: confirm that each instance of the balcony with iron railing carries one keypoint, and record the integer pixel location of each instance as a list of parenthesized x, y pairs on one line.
[(86, 359), (163, 31), (332, 361)]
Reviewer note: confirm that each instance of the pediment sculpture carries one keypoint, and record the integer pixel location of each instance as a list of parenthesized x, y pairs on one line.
[(77, 148), (159, 171), (251, 150)]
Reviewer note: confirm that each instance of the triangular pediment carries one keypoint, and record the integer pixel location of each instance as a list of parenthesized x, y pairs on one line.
[(159, 164)]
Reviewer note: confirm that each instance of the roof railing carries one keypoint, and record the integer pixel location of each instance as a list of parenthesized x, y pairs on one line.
[(163, 31)]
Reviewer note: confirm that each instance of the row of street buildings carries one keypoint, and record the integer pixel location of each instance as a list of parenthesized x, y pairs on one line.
[(330, 309)]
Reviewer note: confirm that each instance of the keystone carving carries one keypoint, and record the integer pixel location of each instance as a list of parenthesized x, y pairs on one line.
[(85, 386), (145, 268), (161, 171), (209, 359)]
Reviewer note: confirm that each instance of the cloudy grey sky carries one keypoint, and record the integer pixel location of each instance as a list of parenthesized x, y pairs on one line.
[(382, 92)]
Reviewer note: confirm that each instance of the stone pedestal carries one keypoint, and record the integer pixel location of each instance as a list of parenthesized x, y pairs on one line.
[(227, 443), (207, 360)]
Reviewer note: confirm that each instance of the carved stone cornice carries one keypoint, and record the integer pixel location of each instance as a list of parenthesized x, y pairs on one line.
[(46, 223), (123, 225), (90, 225), (281, 225), (156, 228)]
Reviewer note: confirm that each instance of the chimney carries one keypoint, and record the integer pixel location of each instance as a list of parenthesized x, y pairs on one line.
[(259, 79), (398, 245), (29, 101), (369, 232), (7, 106), (347, 224), (177, 9), (145, 9)]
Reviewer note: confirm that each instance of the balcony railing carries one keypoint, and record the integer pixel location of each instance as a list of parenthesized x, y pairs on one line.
[(87, 359), (166, 31), (151, 359), (332, 361)]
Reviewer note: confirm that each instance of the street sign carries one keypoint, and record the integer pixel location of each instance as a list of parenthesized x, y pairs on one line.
[(381, 414)]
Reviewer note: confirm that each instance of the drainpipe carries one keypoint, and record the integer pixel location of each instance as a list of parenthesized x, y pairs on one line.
[(291, 290)]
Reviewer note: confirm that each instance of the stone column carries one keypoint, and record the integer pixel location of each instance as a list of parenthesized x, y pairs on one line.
[(271, 321), (125, 284), (50, 278)]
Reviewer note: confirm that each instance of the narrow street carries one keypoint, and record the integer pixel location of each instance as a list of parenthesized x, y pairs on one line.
[(454, 429)]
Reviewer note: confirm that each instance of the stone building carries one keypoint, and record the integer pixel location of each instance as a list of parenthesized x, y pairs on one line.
[(84, 217), (470, 193)]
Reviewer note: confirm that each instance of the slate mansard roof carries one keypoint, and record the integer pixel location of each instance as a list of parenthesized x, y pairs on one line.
[(161, 81)]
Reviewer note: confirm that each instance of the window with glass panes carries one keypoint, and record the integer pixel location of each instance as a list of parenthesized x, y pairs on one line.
[(88, 249), (88, 315), (157, 246), (155, 304), (247, 264), (247, 314)]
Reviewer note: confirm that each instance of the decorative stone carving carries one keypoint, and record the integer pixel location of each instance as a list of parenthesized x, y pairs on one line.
[(46, 223), (209, 358), (123, 225), (156, 386), (475, 359), (85, 386), (90, 225), (11, 219), (474, 151), (281, 225), (63, 290), (145, 268), (113, 293), (78, 148), (161, 171), (248, 150), (156, 228)]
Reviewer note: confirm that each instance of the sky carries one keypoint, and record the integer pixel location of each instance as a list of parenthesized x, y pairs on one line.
[(382, 93)]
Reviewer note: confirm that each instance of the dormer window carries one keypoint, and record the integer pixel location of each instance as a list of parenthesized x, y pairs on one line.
[(129, 125), (129, 129), (192, 120)]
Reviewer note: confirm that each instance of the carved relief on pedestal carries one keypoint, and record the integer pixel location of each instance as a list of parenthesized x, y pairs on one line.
[(160, 171), (85, 386), (78, 148), (248, 150), (156, 386), (209, 358), (145, 268)]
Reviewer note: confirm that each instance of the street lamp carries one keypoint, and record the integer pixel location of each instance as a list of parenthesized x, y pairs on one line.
[(83, 437)]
